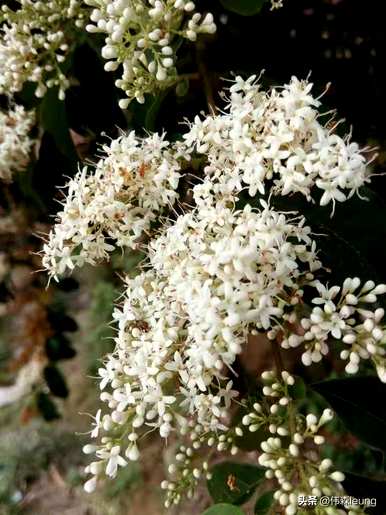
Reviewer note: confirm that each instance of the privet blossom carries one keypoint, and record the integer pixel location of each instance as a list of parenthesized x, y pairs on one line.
[(142, 38), (114, 202), (35, 41), (215, 273), (15, 140), (273, 141)]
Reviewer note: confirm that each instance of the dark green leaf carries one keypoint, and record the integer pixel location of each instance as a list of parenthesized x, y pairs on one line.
[(243, 7), (223, 509), (55, 381), (358, 403), (58, 348), (61, 322), (264, 503), (249, 441), (25, 183), (338, 235), (297, 391), (182, 88), (153, 110), (53, 118), (234, 483), (46, 407)]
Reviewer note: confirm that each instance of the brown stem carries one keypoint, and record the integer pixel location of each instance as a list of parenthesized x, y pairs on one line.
[(205, 76), (277, 357), (188, 76)]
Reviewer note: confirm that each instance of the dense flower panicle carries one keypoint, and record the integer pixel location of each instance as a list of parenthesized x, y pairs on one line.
[(348, 318), (15, 140), (276, 137), (141, 37), (113, 204), (214, 276), (229, 267), (35, 40)]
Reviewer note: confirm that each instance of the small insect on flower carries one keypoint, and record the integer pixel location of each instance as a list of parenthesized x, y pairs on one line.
[(231, 483), (142, 170)]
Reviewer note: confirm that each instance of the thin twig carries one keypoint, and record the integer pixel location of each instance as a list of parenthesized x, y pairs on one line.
[(205, 76), (277, 357)]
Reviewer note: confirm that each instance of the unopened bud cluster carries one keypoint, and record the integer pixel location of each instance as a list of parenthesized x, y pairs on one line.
[(190, 465), (15, 140), (35, 41), (142, 38), (291, 454)]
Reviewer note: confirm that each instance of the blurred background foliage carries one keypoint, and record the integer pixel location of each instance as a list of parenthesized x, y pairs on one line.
[(65, 327)]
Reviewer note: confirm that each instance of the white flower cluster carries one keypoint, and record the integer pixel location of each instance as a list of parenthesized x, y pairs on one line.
[(276, 4), (215, 274), (343, 314), (35, 40), (142, 38), (15, 140), (113, 204), (291, 455), (273, 141)]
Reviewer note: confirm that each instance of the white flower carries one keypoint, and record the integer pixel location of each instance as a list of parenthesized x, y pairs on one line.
[(35, 40), (15, 141), (97, 424), (113, 458), (114, 204), (274, 135)]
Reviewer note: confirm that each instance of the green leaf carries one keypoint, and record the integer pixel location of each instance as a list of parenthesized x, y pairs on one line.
[(264, 503), (249, 441), (53, 118), (223, 509), (47, 407), (58, 347), (55, 381), (358, 403), (243, 7), (234, 483), (153, 110), (298, 390), (339, 235), (182, 88), (24, 181)]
